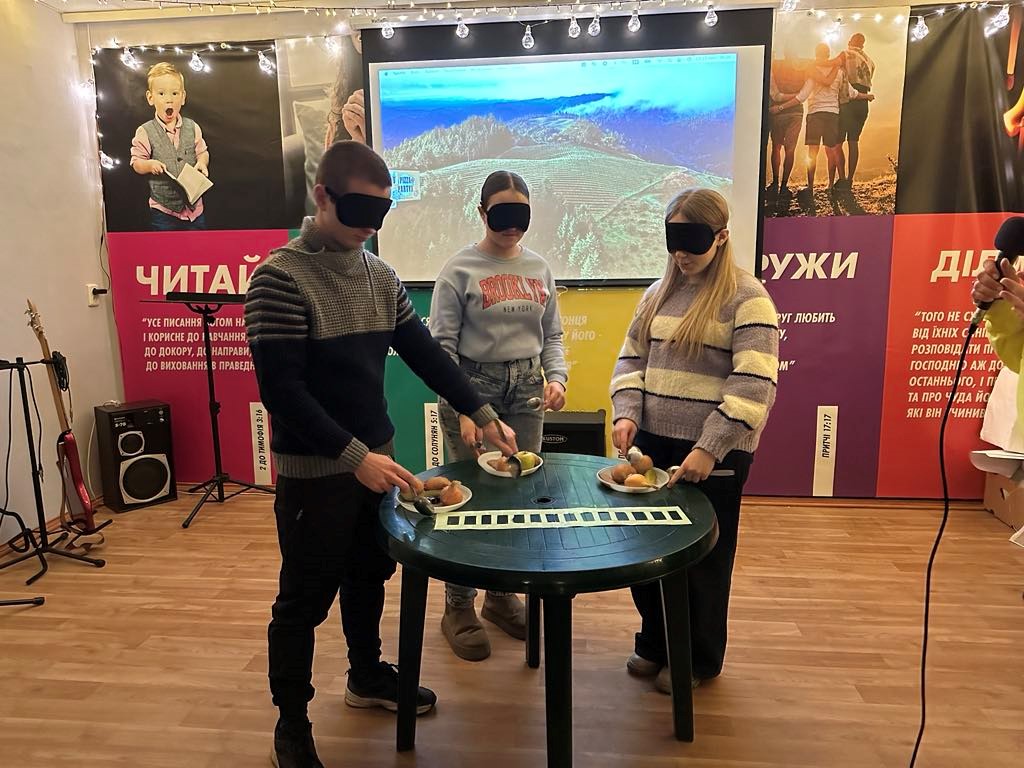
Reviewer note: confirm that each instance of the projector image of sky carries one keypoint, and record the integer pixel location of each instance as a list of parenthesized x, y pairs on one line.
[(603, 144)]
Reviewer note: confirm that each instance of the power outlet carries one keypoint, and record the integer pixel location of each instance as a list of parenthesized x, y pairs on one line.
[(92, 297)]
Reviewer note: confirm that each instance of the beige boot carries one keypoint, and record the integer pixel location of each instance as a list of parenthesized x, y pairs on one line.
[(465, 634), (508, 612)]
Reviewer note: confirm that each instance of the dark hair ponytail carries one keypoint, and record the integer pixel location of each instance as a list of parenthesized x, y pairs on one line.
[(499, 181)]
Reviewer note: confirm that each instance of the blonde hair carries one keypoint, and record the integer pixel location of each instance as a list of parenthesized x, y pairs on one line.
[(698, 206), (161, 69)]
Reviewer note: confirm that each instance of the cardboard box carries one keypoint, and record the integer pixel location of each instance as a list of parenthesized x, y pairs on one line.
[(1004, 498)]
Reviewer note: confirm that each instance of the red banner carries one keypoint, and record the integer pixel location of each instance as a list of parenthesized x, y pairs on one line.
[(933, 266)]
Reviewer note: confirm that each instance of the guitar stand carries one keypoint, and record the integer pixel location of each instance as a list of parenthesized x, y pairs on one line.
[(42, 546), (208, 305)]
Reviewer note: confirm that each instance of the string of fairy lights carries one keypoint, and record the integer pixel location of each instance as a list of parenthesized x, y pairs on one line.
[(390, 18)]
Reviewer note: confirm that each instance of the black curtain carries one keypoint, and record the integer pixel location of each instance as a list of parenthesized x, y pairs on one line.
[(955, 154)]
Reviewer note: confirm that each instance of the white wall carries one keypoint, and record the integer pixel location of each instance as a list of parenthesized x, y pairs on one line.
[(49, 239)]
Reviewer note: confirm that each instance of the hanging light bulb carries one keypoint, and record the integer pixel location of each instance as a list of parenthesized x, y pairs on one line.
[(833, 31), (129, 60), (387, 31), (106, 161), (574, 28), (595, 26), (711, 18), (266, 65), (195, 63), (633, 25), (788, 6), (461, 30), (528, 41), (920, 30)]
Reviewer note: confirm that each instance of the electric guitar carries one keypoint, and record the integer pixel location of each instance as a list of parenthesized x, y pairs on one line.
[(80, 515)]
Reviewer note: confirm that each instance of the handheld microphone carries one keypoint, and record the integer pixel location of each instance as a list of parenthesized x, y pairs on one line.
[(1010, 242)]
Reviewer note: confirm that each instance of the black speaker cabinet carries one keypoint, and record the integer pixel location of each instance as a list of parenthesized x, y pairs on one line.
[(574, 432), (136, 460)]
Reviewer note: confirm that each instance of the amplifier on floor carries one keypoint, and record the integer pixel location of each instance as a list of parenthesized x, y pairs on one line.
[(136, 460), (574, 432)]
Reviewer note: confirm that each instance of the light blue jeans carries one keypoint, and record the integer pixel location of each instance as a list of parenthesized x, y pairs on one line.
[(507, 387)]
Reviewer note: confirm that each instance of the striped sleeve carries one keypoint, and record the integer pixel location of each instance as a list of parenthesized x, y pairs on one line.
[(749, 391), (274, 307), (628, 382), (277, 327)]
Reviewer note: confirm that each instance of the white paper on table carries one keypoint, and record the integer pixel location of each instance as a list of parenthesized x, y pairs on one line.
[(1018, 537), (1001, 414)]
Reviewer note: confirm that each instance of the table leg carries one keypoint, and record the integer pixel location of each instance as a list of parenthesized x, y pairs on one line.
[(675, 602), (410, 650), (532, 631), (558, 679)]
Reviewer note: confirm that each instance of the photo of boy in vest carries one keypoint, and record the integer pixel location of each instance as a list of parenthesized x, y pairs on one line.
[(165, 145)]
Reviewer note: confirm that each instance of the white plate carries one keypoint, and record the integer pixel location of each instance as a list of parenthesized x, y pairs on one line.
[(604, 476), (467, 494), (485, 457)]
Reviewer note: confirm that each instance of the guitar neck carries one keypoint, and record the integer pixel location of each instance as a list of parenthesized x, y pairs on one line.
[(58, 399)]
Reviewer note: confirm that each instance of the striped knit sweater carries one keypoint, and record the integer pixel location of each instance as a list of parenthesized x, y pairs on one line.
[(320, 324), (719, 401)]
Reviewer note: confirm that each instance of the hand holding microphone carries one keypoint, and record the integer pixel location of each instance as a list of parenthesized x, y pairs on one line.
[(998, 279)]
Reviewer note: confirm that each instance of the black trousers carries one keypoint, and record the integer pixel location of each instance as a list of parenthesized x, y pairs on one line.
[(711, 579), (327, 530)]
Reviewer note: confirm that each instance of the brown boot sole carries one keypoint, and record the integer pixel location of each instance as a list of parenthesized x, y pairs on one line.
[(513, 630), (471, 653)]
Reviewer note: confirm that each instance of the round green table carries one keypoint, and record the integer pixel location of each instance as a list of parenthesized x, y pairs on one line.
[(550, 565)]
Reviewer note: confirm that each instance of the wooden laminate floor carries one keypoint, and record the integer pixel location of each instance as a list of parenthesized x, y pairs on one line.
[(159, 659)]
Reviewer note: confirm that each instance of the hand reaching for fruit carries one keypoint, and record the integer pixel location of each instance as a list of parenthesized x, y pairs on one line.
[(554, 396), (380, 473), (696, 468), (472, 435), (623, 435)]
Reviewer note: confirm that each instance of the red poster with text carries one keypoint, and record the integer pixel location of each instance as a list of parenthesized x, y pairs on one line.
[(935, 258), (162, 352)]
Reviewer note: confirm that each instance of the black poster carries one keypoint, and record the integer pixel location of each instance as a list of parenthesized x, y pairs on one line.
[(961, 143), (229, 102)]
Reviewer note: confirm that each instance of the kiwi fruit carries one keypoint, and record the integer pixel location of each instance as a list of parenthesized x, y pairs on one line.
[(636, 481), (436, 484), (499, 465), (415, 489), (452, 494), (621, 472), (642, 464)]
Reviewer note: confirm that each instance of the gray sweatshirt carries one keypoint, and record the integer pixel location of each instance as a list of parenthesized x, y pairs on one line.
[(493, 310)]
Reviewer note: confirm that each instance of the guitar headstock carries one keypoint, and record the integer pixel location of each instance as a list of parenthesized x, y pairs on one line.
[(35, 320)]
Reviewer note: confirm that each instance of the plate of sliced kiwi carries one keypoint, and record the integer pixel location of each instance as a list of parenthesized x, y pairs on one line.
[(444, 495), (495, 464), (638, 475)]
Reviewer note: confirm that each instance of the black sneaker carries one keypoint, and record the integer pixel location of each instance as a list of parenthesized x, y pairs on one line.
[(380, 689), (293, 746)]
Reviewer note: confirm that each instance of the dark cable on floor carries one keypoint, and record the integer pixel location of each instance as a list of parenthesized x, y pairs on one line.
[(938, 537)]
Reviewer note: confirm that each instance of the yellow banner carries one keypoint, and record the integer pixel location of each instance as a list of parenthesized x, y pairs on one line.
[(595, 322)]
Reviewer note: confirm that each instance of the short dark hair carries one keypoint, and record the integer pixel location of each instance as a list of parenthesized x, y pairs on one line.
[(857, 39), (499, 181), (346, 160)]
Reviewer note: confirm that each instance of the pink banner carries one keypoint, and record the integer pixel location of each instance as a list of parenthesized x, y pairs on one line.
[(161, 344)]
